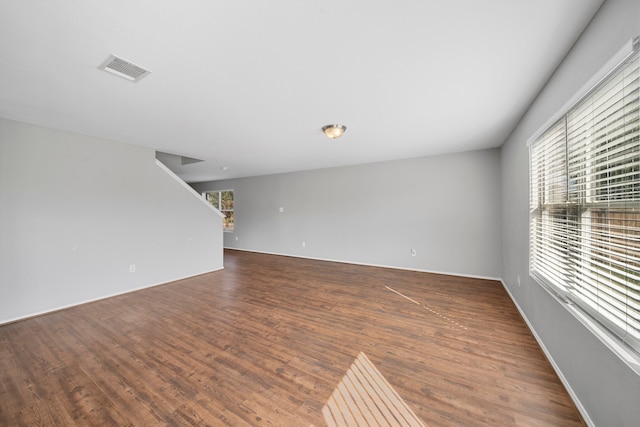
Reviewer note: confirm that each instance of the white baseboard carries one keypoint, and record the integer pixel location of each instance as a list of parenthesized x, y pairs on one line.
[(365, 264), (556, 368), (53, 310)]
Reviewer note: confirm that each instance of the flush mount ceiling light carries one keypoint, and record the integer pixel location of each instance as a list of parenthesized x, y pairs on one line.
[(334, 131)]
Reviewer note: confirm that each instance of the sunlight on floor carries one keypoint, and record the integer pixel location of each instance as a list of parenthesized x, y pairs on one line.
[(364, 398)]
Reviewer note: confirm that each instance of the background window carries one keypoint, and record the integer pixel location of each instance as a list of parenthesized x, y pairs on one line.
[(223, 201), (585, 204)]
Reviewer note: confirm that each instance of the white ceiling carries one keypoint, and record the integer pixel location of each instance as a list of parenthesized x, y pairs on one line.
[(247, 85)]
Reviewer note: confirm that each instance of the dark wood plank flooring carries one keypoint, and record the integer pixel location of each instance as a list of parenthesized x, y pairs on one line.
[(266, 341)]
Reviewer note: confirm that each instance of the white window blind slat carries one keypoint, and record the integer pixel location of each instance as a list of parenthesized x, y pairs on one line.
[(585, 203)]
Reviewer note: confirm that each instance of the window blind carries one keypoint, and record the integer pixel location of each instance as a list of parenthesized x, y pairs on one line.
[(585, 203)]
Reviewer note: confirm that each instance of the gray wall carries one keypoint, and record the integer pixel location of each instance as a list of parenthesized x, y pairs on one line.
[(607, 389), (76, 211), (447, 208)]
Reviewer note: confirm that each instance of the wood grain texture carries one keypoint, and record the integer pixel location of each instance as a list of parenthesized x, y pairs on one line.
[(267, 340)]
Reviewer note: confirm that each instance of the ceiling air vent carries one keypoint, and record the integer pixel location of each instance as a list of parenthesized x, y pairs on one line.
[(123, 68)]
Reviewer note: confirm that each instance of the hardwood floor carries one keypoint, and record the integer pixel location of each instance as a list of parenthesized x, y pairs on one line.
[(267, 340)]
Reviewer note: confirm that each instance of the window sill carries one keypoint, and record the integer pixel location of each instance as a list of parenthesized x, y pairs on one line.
[(611, 341), (619, 348)]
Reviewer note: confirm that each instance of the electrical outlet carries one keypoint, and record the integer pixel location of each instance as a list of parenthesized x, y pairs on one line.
[(518, 280), (281, 210), (132, 268), (413, 252), (237, 238), (304, 244)]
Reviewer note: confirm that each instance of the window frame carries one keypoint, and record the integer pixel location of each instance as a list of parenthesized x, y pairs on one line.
[(220, 208), (604, 326)]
